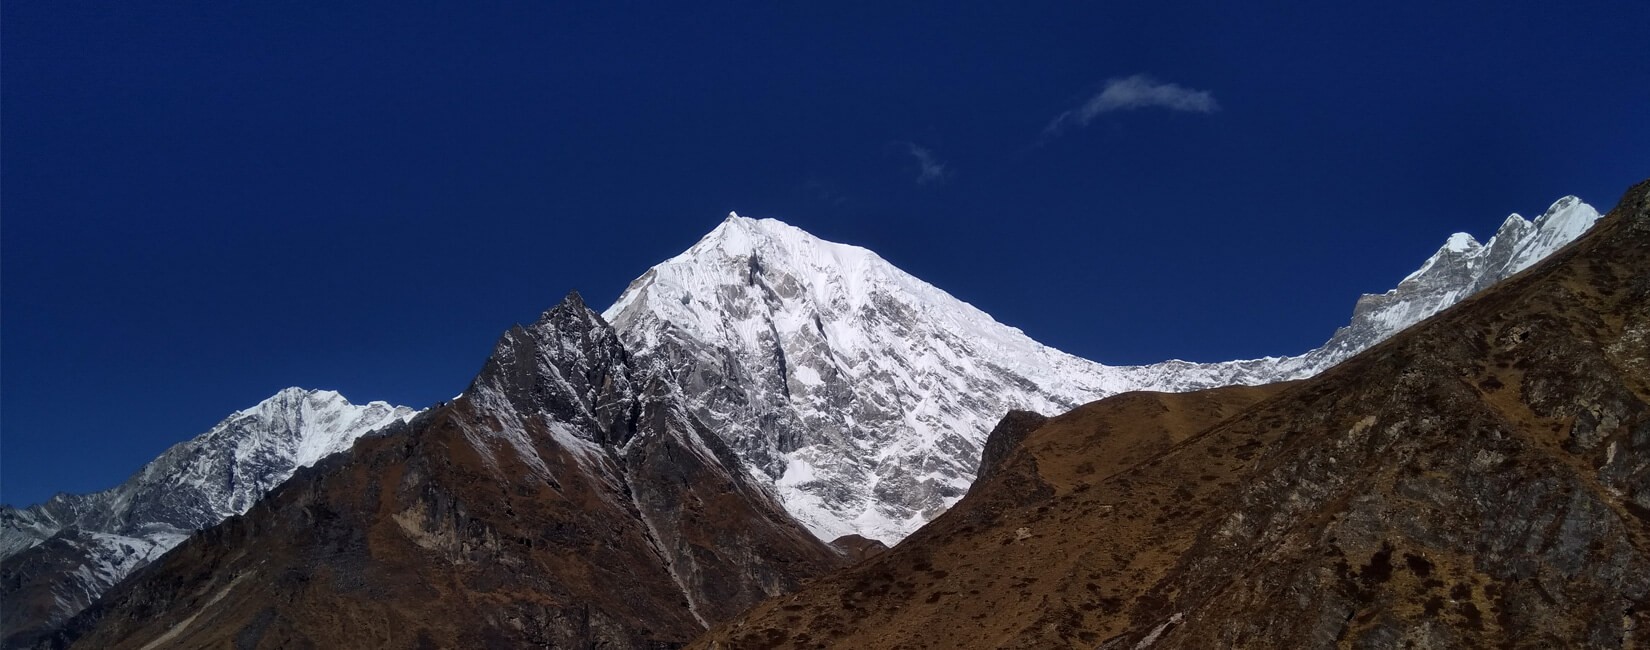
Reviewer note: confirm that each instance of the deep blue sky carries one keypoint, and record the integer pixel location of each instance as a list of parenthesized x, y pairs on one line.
[(204, 202)]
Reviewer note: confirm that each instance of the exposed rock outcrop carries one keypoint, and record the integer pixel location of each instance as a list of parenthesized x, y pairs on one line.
[(1005, 437), (863, 395), (566, 499), (1480, 480)]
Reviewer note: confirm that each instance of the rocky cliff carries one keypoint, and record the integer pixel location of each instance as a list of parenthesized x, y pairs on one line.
[(862, 394), (566, 499), (1480, 480)]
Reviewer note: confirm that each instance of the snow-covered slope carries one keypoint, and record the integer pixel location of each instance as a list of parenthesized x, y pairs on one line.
[(567, 498), (860, 392), (91, 541), (863, 394), (1460, 268), (47, 583)]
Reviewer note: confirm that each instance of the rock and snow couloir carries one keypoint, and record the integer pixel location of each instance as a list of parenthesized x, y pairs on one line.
[(863, 394)]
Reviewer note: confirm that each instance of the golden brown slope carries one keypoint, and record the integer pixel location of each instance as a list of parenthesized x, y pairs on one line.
[(565, 500), (969, 578), (1480, 480)]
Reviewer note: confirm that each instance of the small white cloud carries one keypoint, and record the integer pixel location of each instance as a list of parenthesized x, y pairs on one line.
[(1129, 93), (930, 169)]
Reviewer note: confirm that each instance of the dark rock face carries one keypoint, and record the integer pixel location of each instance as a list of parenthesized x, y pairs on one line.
[(47, 583), (1007, 435), (1478, 481), (565, 500)]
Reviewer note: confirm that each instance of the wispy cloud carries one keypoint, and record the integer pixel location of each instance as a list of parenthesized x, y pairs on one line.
[(1129, 93), (930, 169)]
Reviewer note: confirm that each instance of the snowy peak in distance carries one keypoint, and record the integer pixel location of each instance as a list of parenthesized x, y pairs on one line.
[(862, 394), (566, 499), (741, 246), (791, 269), (70, 549), (219, 473), (858, 392), (318, 423), (198, 482), (1460, 268), (1461, 243), (1518, 243)]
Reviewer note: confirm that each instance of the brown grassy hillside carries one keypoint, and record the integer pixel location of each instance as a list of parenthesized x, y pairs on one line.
[(1481, 480)]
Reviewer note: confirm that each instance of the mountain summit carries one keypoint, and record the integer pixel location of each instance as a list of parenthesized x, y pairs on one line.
[(796, 370), (854, 388), (1480, 480), (1460, 268), (862, 394), (566, 499), (61, 555)]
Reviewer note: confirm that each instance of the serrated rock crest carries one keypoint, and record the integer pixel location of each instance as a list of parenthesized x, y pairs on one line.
[(863, 394)]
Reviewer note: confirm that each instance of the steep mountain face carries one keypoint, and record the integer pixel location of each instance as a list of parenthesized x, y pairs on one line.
[(59, 556), (566, 499), (863, 395), (851, 386), (1479, 480), (47, 583), (856, 393), (1461, 267)]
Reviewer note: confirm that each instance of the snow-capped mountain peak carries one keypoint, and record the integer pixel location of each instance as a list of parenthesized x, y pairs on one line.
[(192, 485), (832, 372), (1461, 242), (311, 424), (742, 245), (1564, 221), (1516, 245), (862, 394)]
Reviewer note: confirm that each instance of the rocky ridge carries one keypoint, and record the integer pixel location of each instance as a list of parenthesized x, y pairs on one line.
[(856, 393), (59, 556), (1479, 480), (567, 498), (863, 395)]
